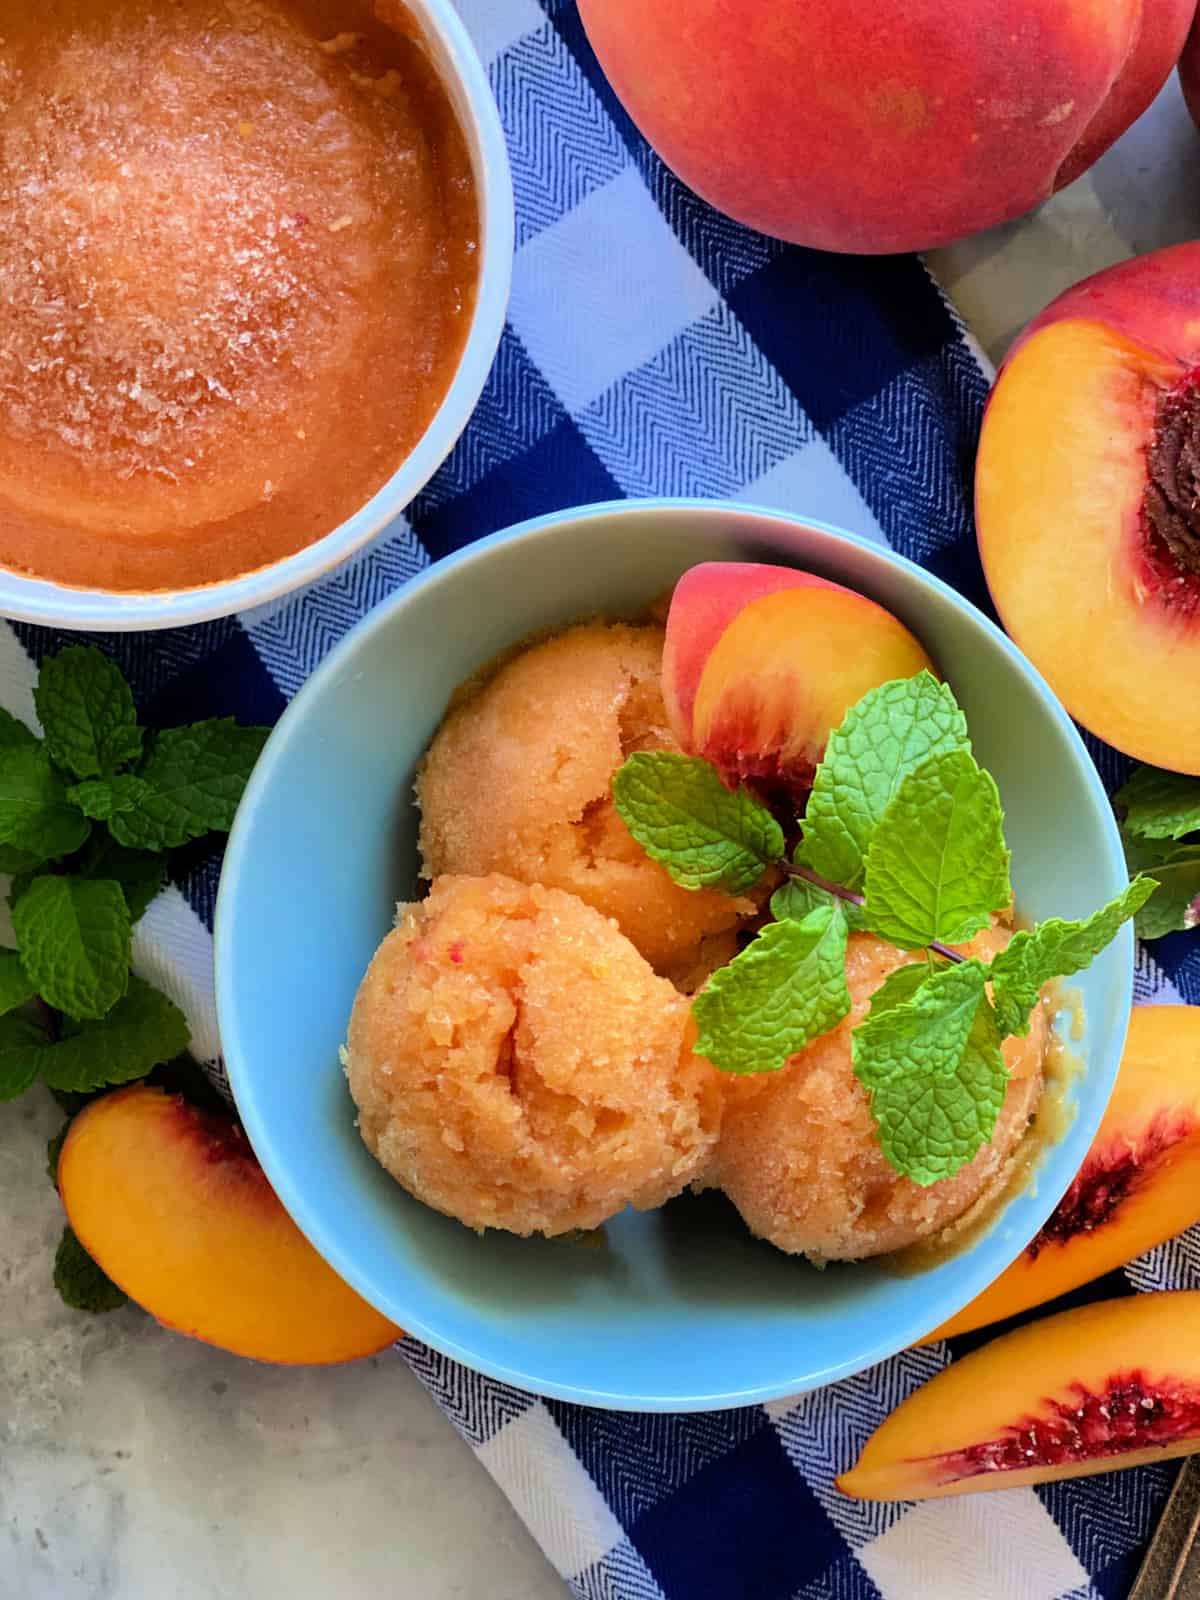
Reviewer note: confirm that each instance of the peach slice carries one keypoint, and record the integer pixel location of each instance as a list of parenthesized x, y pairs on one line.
[(1140, 1182), (1105, 1386), (761, 662), (1088, 502), (170, 1201)]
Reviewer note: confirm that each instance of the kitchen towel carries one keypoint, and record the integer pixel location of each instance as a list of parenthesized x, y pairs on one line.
[(655, 347)]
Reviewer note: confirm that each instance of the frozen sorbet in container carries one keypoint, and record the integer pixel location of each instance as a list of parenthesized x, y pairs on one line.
[(517, 1064), (799, 1155), (519, 781)]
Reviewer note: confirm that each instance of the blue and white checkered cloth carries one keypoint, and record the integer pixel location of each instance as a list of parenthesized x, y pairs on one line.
[(654, 347)]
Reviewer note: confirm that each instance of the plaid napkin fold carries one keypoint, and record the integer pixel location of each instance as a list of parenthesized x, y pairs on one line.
[(654, 347)]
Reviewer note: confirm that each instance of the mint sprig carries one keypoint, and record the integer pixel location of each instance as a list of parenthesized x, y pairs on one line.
[(903, 835), (88, 813), (681, 814), (1160, 828), (780, 993)]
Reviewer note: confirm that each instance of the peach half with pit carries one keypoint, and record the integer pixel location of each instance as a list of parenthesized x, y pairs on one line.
[(1088, 502), (170, 1201), (1110, 1385), (1138, 1186), (762, 662)]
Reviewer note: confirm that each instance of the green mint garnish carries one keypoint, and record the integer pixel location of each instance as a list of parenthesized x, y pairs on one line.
[(142, 1030), (73, 935), (779, 994), (36, 817), (1159, 805), (1056, 949), (194, 780), (87, 713), (903, 835), (794, 899), (683, 816), (937, 864), (83, 1285), (16, 987), (931, 1123), (86, 816), (892, 731), (102, 798), (1160, 830)]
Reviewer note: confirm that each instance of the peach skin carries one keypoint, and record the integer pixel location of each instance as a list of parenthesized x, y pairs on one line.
[(1140, 1182), (1086, 497), (761, 662), (170, 1201), (872, 126), (1105, 1386)]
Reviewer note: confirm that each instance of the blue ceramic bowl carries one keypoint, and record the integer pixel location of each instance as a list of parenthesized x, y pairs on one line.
[(682, 1310)]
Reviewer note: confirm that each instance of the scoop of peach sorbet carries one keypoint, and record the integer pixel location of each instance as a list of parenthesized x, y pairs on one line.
[(519, 781), (799, 1156), (517, 1064)]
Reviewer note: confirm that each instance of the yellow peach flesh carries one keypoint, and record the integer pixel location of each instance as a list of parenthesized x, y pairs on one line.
[(786, 670), (177, 1211), (1059, 487)]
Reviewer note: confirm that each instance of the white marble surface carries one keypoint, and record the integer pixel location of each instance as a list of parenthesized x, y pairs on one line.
[(137, 1464)]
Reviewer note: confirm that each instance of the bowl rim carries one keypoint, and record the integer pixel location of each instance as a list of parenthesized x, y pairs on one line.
[(28, 598), (300, 1198)]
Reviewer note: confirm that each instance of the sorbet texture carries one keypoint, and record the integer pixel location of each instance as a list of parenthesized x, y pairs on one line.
[(517, 1064), (799, 1156), (519, 781)]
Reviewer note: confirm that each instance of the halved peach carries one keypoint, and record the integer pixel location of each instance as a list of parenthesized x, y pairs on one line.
[(170, 1201), (1139, 1184), (1105, 1386), (761, 662), (1088, 502)]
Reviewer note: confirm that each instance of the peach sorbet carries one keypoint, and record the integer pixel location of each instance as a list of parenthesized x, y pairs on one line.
[(516, 1064)]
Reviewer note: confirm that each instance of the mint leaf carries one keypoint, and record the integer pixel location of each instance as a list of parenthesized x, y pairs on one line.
[(20, 1054), (1160, 805), (54, 1150), (86, 711), (683, 816), (937, 865), (141, 873), (15, 986), (14, 735), (196, 777), (142, 1030), (898, 987), (102, 798), (1055, 949), (1175, 904), (924, 1035), (35, 816), (83, 1284), (893, 730), (931, 1125), (74, 938), (797, 897), (781, 992)]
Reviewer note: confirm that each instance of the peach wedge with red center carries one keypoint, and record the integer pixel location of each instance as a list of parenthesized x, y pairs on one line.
[(1105, 1386), (1088, 502), (1140, 1182), (761, 662), (170, 1201)]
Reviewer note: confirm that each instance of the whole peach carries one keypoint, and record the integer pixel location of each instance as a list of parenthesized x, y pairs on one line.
[(1189, 72), (871, 126)]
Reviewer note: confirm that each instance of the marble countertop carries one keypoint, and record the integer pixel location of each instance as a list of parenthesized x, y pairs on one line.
[(136, 1463)]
